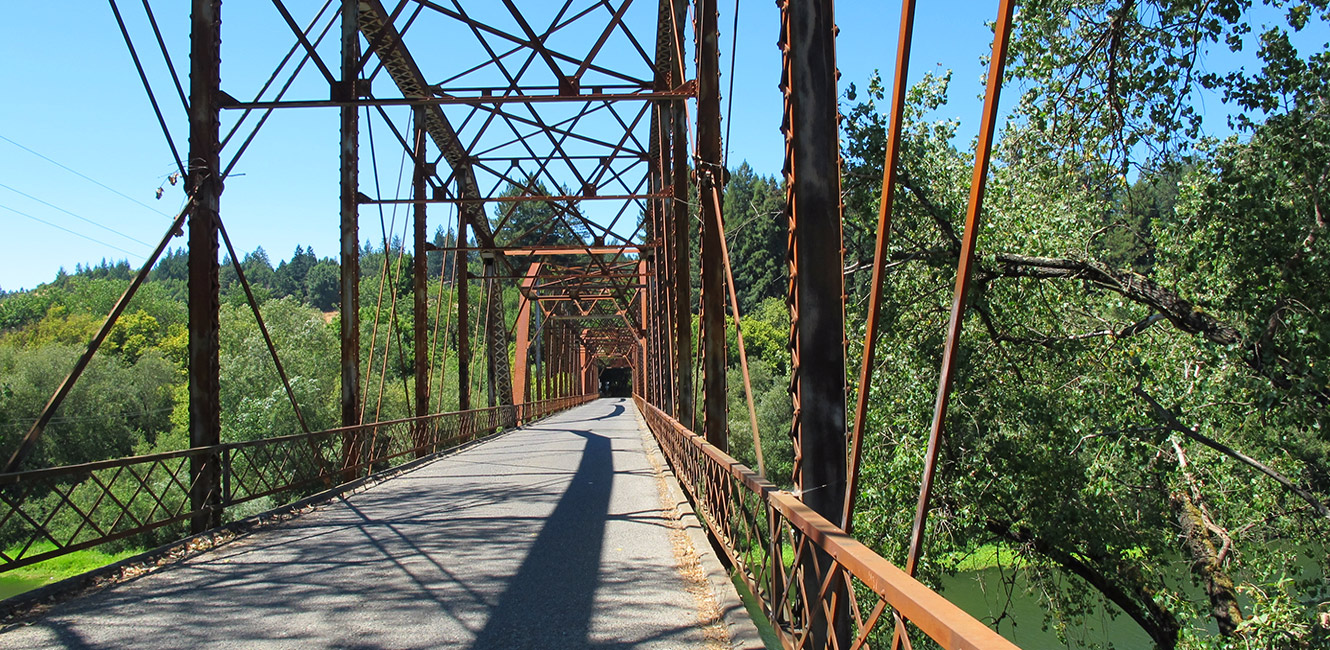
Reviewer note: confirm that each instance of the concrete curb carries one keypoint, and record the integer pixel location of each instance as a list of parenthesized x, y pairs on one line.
[(743, 631)]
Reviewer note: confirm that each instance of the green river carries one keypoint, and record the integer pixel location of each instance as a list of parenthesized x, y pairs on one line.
[(983, 594)]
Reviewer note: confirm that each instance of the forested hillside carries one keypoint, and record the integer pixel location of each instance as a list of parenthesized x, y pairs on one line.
[(132, 399)]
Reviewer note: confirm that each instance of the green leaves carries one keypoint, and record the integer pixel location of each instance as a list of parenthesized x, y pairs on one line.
[(1120, 253)]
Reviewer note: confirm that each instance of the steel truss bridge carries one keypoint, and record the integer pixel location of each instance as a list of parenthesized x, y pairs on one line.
[(606, 116)]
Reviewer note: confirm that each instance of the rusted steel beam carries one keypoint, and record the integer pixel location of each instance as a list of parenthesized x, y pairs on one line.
[(584, 378), (894, 127), (526, 42), (818, 317), (616, 20), (310, 51), (710, 173), (349, 304), (566, 84), (520, 199), (463, 281), (964, 271), (205, 184), (658, 165), (679, 228), (443, 89), (665, 266), (487, 324), (375, 23), (454, 100), (705, 466), (519, 251), (649, 323), (547, 354), (39, 426), (739, 336), (568, 297), (420, 311), (521, 366), (496, 339)]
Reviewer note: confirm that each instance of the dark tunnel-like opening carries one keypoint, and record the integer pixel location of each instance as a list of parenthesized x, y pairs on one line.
[(616, 382)]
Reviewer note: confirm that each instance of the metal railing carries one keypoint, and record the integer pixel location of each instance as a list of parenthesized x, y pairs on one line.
[(47, 513), (801, 567)]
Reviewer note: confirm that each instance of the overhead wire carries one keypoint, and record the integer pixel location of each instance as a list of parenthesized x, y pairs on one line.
[(76, 216), (83, 176), (72, 232)]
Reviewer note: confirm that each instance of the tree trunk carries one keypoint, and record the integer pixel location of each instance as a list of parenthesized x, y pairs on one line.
[(1205, 562)]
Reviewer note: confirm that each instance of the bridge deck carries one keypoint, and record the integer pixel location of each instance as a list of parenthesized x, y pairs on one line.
[(552, 536)]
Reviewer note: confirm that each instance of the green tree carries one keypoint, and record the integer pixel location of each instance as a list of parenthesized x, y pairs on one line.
[(1130, 347), (756, 227), (323, 285)]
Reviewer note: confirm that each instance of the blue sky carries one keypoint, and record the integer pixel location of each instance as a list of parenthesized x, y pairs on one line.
[(74, 102)]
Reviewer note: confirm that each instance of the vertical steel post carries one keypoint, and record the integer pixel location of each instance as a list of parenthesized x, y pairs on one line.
[(583, 359), (552, 360), (488, 285), (813, 181), (651, 321), (546, 357), (565, 362), (556, 369), (569, 360), (644, 307), (710, 173), (463, 320), (663, 261), (205, 424), (683, 286), (350, 162), (418, 272), (679, 228), (522, 350)]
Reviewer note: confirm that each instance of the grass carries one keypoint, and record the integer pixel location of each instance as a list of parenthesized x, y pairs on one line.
[(984, 557), (17, 581), (756, 556)]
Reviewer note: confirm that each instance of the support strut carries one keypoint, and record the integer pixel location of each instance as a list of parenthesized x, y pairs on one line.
[(205, 424)]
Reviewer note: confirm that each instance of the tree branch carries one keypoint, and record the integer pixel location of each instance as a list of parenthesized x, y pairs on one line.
[(1206, 561), (1158, 622), (1170, 419)]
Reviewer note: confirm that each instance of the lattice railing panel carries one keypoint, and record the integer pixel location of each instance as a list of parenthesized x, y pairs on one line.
[(817, 586), (50, 512)]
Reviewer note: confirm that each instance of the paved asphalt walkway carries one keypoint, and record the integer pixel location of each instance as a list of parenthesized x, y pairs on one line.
[(552, 536)]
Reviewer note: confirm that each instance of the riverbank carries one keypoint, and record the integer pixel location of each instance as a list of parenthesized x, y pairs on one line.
[(17, 581)]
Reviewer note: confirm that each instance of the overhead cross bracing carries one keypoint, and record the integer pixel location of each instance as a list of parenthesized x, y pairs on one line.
[(543, 115)]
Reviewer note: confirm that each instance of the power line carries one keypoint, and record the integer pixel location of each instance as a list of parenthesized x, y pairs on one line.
[(80, 218), (86, 177), (72, 232)]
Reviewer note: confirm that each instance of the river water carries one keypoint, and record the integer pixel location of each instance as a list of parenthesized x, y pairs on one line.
[(983, 595)]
